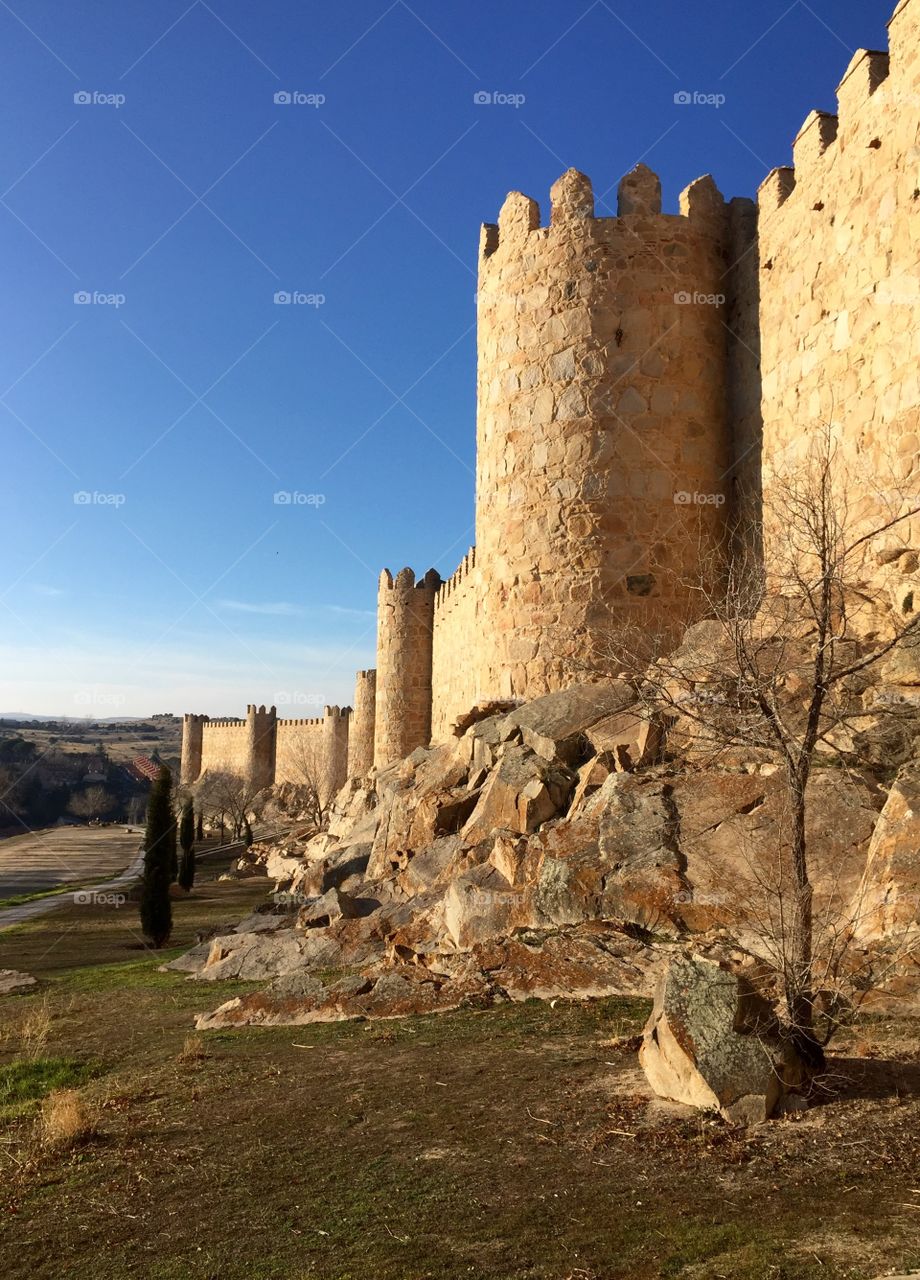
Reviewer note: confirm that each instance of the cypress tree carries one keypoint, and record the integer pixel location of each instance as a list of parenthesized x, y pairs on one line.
[(199, 830), (159, 853), (187, 844), (247, 833)]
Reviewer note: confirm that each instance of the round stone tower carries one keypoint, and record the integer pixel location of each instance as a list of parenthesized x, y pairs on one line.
[(192, 744), (405, 620), (336, 723), (261, 729), (361, 732), (602, 437)]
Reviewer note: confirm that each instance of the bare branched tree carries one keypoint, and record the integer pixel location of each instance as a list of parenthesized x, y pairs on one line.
[(780, 668), (225, 796), (305, 765), (91, 802)]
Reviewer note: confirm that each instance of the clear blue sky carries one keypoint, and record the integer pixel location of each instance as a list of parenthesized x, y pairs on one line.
[(198, 398)]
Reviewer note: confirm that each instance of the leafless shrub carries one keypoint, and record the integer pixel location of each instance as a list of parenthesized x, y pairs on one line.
[(778, 670)]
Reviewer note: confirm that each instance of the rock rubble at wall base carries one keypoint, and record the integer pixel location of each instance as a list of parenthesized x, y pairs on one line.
[(528, 858)]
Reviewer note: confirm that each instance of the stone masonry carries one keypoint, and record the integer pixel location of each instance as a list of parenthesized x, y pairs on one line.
[(839, 247), (264, 750), (638, 377)]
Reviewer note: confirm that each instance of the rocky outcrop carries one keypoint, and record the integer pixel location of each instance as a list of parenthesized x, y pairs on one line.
[(557, 725), (886, 905), (564, 847), (580, 964), (523, 791), (713, 1042)]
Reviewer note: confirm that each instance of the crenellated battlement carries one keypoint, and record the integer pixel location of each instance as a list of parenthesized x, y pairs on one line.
[(572, 212), (263, 749), (877, 88), (839, 316), (405, 581), (453, 584)]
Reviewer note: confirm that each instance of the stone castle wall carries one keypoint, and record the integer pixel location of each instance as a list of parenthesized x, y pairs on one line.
[(405, 621), (224, 748), (840, 280), (361, 731), (264, 750), (641, 378), (299, 751), (457, 643), (192, 736), (603, 443)]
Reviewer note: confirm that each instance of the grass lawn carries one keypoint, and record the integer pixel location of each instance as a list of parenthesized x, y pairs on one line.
[(510, 1143)]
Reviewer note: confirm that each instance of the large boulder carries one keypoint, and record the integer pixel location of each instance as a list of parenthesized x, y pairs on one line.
[(887, 903), (713, 1042), (283, 865), (632, 739), (730, 826), (13, 980), (478, 906), (346, 863), (556, 725), (334, 905), (522, 792)]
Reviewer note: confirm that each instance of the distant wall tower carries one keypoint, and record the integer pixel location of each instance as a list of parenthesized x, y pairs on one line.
[(602, 426), (405, 619), (261, 726), (336, 722), (361, 730), (192, 733)]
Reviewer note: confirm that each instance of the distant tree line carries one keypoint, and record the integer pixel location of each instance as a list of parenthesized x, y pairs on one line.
[(38, 787)]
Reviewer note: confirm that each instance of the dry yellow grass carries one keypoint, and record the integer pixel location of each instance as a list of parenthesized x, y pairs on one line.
[(193, 1050), (65, 1119), (35, 1029)]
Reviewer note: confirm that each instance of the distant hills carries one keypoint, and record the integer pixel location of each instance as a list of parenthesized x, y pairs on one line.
[(29, 715)]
